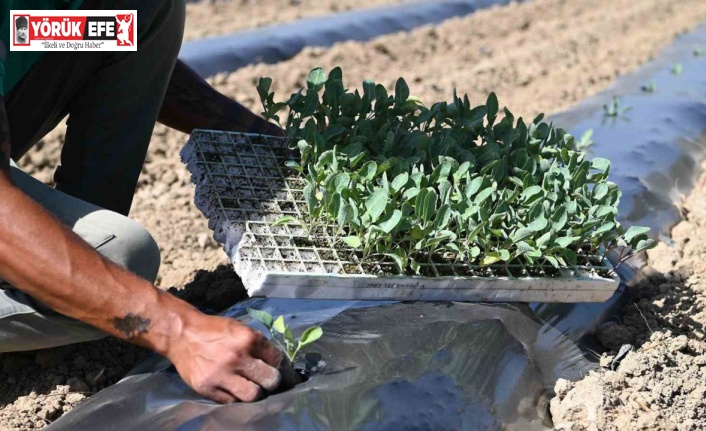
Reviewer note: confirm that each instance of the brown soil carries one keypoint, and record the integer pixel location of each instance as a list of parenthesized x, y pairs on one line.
[(539, 56), (207, 18)]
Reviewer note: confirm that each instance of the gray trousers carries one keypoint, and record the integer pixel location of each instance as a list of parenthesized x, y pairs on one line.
[(112, 100), (26, 324)]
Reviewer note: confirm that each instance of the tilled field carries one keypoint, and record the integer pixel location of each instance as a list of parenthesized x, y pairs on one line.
[(539, 56), (207, 18)]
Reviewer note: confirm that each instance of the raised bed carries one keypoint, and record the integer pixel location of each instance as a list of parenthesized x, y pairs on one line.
[(283, 41)]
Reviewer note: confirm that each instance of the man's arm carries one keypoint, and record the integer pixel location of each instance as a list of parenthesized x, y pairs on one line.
[(191, 103), (218, 357)]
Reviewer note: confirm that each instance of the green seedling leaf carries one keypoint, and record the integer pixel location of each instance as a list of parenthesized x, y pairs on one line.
[(605, 227), (543, 240), (568, 255), (600, 191), (410, 193), (429, 205), (443, 216), (376, 203), (531, 192), (401, 90), (490, 258), (441, 172), (600, 164), (261, 316), (539, 224), (559, 219), (483, 195), (345, 215), (565, 241), (462, 170), (416, 266), (521, 234), (399, 256), (391, 222), (444, 235), (289, 338), (263, 87), (605, 211), (316, 79), (294, 165), (279, 325), (352, 241), (552, 260), (444, 191), (399, 182), (492, 106), (284, 220), (473, 187), (356, 160), (340, 182), (310, 335), (644, 244), (634, 232), (368, 171), (310, 197)]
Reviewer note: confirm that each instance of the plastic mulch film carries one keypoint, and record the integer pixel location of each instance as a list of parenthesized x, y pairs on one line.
[(461, 366), (281, 42), (400, 366)]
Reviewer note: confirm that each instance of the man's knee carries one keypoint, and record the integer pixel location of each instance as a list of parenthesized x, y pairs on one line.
[(131, 246), (143, 255)]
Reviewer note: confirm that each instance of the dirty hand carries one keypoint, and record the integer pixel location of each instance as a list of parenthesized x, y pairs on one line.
[(226, 361)]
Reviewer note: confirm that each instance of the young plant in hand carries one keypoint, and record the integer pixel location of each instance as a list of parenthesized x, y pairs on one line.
[(282, 334)]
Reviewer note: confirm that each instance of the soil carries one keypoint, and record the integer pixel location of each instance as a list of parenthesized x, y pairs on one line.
[(208, 18), (538, 56)]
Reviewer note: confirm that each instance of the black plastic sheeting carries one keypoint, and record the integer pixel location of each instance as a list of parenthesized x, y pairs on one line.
[(460, 366), (281, 42)]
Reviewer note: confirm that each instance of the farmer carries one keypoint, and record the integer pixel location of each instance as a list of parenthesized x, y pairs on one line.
[(75, 268)]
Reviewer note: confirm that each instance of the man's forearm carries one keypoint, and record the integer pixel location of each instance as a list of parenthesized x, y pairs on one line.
[(191, 103), (49, 262)]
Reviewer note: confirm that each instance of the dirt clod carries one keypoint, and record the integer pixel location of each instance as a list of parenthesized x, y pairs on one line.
[(614, 335)]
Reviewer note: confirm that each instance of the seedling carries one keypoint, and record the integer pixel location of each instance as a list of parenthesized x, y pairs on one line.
[(402, 183), (613, 109), (650, 87), (585, 141), (677, 69), (698, 51), (282, 334)]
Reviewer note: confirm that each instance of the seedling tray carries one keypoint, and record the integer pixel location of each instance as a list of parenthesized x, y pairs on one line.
[(243, 186)]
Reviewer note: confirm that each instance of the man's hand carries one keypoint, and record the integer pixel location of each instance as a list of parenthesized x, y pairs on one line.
[(191, 103), (225, 360)]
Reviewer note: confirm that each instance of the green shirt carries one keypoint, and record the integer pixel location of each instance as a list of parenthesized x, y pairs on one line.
[(18, 63)]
